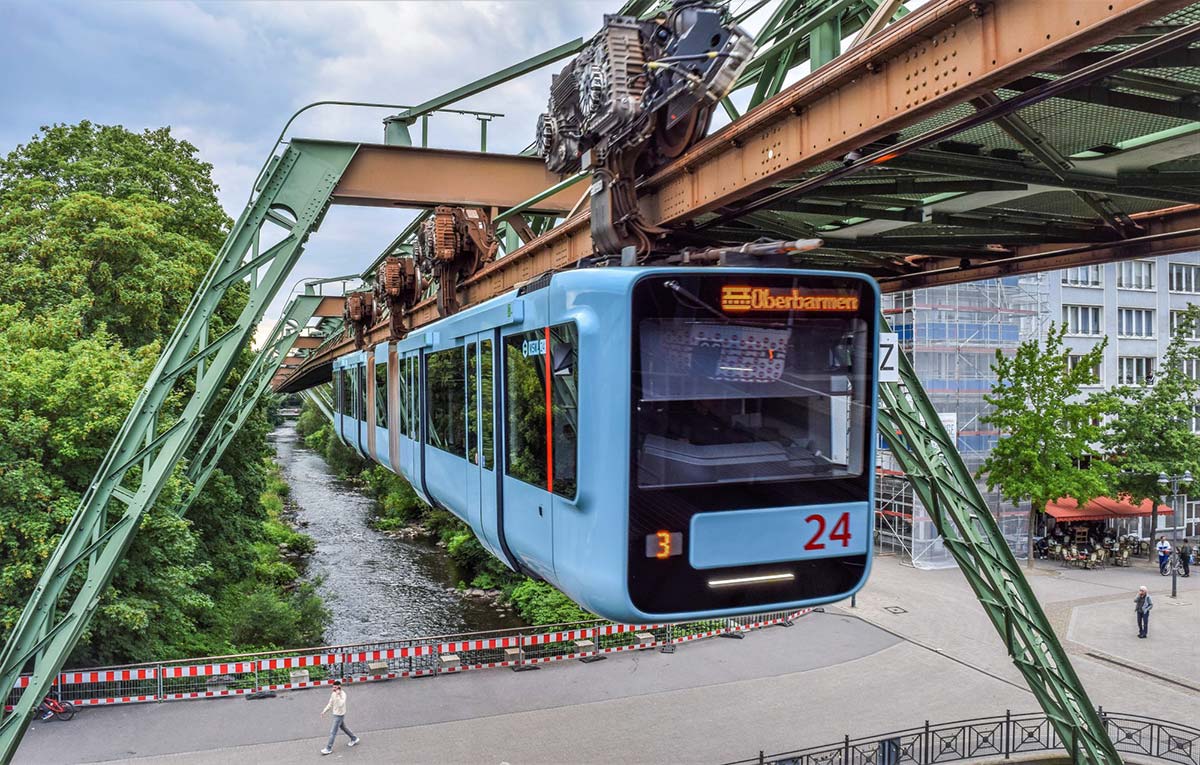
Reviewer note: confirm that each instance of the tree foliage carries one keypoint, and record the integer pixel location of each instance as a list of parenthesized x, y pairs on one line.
[(1150, 431), (1048, 428), (104, 236)]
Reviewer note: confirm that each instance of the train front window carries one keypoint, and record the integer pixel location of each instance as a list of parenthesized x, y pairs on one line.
[(734, 394)]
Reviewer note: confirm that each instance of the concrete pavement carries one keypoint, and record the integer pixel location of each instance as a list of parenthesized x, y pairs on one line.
[(917, 647)]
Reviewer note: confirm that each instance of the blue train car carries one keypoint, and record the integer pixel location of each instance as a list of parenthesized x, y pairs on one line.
[(660, 444)]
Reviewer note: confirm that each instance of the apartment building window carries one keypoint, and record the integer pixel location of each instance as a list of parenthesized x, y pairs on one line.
[(1176, 323), (1082, 319), (1073, 361), (1135, 275), (1184, 278), (1084, 276), (1135, 370), (1191, 368), (1196, 418), (1135, 322)]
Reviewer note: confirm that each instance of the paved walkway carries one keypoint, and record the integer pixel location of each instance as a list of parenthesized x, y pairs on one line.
[(917, 647)]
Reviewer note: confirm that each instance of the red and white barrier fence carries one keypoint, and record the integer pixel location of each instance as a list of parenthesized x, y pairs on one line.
[(240, 675)]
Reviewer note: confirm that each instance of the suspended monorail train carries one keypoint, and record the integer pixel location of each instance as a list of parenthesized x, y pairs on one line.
[(659, 443)]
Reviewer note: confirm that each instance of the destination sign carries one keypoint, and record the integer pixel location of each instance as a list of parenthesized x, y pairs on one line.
[(742, 299)]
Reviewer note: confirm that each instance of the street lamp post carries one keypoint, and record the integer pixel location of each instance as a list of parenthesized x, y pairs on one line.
[(1173, 482)]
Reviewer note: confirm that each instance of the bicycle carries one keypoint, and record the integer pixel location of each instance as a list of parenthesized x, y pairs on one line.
[(1174, 564), (54, 708)]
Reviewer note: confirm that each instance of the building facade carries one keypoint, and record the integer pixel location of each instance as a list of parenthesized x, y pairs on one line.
[(953, 333)]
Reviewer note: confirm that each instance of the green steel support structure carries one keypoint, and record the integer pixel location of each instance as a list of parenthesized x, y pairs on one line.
[(245, 396), (943, 484), (299, 182)]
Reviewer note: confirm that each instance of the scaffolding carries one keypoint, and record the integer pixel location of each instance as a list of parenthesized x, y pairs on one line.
[(951, 335)]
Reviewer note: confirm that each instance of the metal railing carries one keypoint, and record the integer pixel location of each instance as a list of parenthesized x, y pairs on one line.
[(241, 674), (993, 738)]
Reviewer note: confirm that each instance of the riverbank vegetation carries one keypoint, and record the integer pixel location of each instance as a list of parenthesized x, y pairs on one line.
[(104, 236), (398, 507)]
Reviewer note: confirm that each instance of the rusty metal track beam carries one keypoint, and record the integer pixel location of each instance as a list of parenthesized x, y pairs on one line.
[(408, 176), (944, 54), (1167, 232)]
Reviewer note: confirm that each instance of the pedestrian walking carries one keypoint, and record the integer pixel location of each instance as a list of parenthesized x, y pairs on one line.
[(1185, 556), (337, 705), (1164, 553), (1142, 604)]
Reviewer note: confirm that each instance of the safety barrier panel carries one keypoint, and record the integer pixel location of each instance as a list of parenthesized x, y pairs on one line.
[(222, 676)]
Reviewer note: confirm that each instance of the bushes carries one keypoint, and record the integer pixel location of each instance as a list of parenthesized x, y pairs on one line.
[(541, 603)]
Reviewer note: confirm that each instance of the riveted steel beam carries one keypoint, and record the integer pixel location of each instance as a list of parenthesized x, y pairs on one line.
[(1167, 232), (406, 176)]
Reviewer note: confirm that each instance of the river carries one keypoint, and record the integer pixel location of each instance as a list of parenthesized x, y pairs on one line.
[(375, 587)]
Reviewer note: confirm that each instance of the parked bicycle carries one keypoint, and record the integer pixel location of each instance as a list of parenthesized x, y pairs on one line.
[(52, 707), (1174, 564)]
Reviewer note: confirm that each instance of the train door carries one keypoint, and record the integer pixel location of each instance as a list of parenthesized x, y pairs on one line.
[(527, 521), (481, 433)]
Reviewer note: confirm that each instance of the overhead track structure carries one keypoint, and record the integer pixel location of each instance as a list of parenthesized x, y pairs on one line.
[(1105, 170)]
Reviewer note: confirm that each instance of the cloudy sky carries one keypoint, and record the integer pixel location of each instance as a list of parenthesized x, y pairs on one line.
[(226, 76)]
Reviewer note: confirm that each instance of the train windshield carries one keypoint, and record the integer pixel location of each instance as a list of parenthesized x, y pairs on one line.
[(760, 381)]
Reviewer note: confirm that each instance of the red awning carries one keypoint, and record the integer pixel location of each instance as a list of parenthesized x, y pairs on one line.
[(1102, 509)]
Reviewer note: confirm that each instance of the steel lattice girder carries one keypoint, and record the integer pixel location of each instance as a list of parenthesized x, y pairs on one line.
[(300, 182), (944, 485), (245, 396)]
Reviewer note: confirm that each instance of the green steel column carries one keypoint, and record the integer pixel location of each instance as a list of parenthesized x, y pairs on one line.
[(946, 488), (247, 393), (300, 182), (825, 44)]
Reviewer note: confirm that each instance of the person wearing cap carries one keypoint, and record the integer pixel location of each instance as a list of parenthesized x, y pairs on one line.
[(337, 705), (1142, 605)]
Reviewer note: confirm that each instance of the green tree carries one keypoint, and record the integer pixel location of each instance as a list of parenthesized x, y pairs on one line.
[(104, 236), (1150, 431), (1048, 428)]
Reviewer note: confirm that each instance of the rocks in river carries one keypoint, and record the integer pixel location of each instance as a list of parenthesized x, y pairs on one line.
[(408, 532)]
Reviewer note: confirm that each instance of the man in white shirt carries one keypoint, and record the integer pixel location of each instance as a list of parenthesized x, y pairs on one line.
[(1164, 553), (337, 705)]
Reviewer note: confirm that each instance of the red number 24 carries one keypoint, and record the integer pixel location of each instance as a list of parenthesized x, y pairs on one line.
[(840, 533)]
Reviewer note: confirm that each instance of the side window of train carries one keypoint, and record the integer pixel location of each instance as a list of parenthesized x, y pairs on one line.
[(414, 398), (529, 361), (472, 412), (402, 395), (361, 375), (381, 407), (485, 389), (446, 391)]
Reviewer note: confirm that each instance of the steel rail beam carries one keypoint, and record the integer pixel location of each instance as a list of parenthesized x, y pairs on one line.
[(994, 110), (1167, 232), (407, 176), (938, 56), (945, 486), (300, 181)]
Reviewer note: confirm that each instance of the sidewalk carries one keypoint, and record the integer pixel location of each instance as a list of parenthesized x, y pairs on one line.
[(1092, 613)]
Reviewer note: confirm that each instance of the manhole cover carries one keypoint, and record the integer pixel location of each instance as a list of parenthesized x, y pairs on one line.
[(895, 610)]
